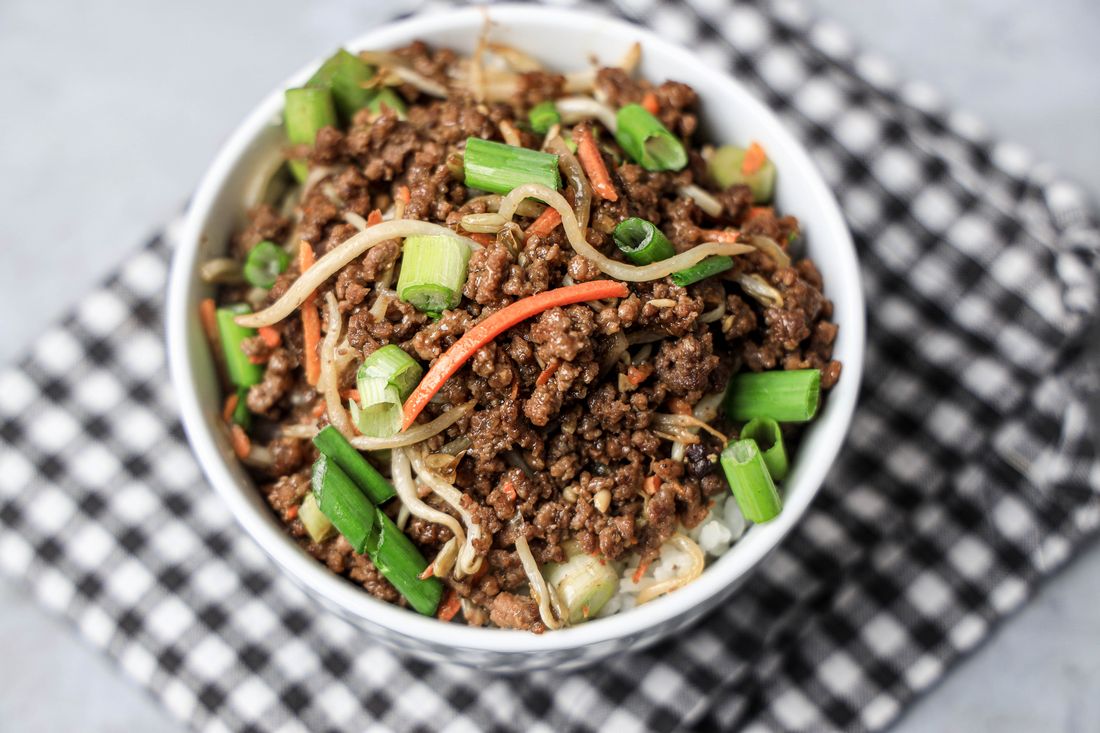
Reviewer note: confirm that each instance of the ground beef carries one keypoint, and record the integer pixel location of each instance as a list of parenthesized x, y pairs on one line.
[(561, 444)]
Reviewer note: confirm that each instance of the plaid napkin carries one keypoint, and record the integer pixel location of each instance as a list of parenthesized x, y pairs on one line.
[(970, 471)]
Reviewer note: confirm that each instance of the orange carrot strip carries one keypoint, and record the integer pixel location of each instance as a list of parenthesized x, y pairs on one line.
[(257, 359), (485, 240), (311, 320), (374, 217), (350, 394), (271, 336), (642, 567), (548, 372), (649, 101), (208, 314), (242, 446), (404, 194), (547, 222), (318, 409), (638, 374), (651, 484), (509, 490), (292, 512), (758, 210), (593, 164), (497, 323), (679, 406), (725, 236), (450, 606), (428, 571), (755, 157), (230, 406)]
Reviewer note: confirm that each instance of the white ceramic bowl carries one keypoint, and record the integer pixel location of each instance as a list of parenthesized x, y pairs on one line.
[(564, 40)]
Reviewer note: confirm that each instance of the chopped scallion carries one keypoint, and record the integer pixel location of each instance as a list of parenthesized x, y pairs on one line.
[(750, 482), (242, 372), (647, 141), (331, 443), (388, 98), (584, 584), (786, 396), (702, 270), (344, 74), (543, 116), (241, 414), (498, 168), (265, 263), (392, 364), (397, 558), (378, 414), (769, 439), (317, 525), (726, 168), (307, 110), (343, 503), (433, 272), (642, 242)]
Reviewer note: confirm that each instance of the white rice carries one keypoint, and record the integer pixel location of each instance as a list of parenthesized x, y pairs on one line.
[(723, 526)]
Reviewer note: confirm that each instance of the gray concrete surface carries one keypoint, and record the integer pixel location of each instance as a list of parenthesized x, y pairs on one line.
[(112, 110)]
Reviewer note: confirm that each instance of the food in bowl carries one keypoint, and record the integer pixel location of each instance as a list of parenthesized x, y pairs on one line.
[(499, 344)]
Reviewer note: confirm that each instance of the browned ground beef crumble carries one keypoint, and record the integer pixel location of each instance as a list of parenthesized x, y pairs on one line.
[(581, 430)]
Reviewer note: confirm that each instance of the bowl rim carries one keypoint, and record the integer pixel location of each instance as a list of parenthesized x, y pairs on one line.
[(352, 599)]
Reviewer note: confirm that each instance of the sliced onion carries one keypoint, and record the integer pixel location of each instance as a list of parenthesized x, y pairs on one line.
[(416, 434), (401, 474), (760, 290), (582, 192), (614, 268), (515, 58), (770, 247), (698, 562), (337, 258), (579, 82), (703, 200), (399, 68), (630, 60), (575, 109)]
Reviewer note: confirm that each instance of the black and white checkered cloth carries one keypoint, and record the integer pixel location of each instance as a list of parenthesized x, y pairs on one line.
[(969, 474)]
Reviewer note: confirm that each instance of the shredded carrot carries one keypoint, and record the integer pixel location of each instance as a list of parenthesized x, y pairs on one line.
[(638, 374), (230, 406), (450, 606), (593, 164), (428, 571), (485, 240), (640, 571), (547, 222), (292, 512), (404, 195), (258, 359), (649, 101), (242, 446), (311, 320), (374, 217), (509, 490), (271, 337), (548, 372), (755, 157), (460, 351), (651, 484), (679, 406), (208, 315), (350, 394), (318, 409), (725, 236), (758, 210)]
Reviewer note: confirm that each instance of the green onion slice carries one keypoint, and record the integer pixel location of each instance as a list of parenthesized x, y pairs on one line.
[(702, 269), (642, 242), (397, 558), (498, 168), (242, 372), (343, 503), (433, 272), (344, 75), (786, 396), (307, 110), (543, 116), (378, 414), (750, 482), (335, 446), (769, 439), (317, 525), (387, 97), (265, 263), (392, 364), (647, 141), (584, 584), (725, 169)]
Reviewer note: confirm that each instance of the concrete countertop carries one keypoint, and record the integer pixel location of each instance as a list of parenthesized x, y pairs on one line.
[(114, 110)]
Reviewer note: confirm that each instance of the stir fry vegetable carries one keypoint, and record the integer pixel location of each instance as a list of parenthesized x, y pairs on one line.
[(642, 242), (647, 141), (751, 167), (790, 396), (498, 168), (307, 110), (242, 372), (265, 263), (752, 485), (433, 272), (769, 439), (584, 585), (345, 76), (336, 448), (543, 116), (702, 270), (343, 503)]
